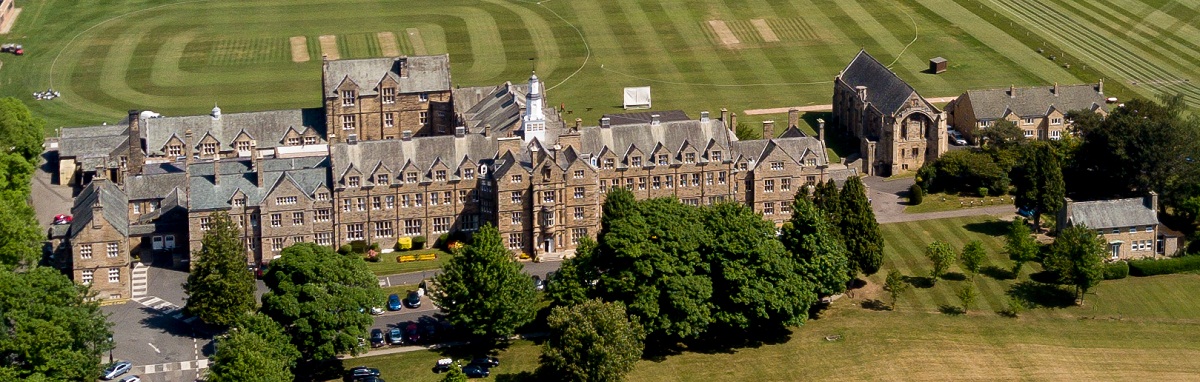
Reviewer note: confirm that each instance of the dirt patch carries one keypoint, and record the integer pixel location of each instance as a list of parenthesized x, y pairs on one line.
[(8, 23), (329, 47), (387, 44), (764, 30), (299, 48), (418, 44), (724, 33)]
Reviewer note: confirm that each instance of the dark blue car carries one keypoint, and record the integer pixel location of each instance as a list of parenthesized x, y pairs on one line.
[(394, 302), (1026, 212)]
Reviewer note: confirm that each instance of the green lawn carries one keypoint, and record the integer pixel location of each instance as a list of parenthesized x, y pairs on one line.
[(1136, 328), (388, 265), (180, 57), (946, 202)]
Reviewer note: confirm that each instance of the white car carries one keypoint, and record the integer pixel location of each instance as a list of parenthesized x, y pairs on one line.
[(957, 138), (116, 369), (132, 378), (375, 311)]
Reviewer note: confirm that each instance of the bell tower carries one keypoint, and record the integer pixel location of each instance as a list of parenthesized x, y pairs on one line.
[(533, 123)]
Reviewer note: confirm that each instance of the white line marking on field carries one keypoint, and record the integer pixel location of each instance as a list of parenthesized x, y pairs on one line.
[(154, 347)]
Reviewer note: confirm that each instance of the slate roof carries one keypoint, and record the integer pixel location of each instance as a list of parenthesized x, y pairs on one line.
[(1034, 101), (1118, 213), (496, 106), (884, 89), (758, 150), (421, 152), (425, 74), (236, 175), (92, 141), (93, 131), (644, 117), (267, 128), (672, 136), (114, 207), (155, 186)]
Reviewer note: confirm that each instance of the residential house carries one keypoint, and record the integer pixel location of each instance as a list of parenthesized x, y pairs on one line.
[(1129, 227), (1041, 111)]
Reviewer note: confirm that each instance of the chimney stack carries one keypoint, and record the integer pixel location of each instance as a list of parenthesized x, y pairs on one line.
[(1151, 201), (794, 118), (460, 131), (704, 116), (100, 173), (768, 131), (487, 130), (821, 129), (725, 118), (654, 119), (605, 123), (217, 169), (1100, 86), (1056, 88), (187, 147), (1012, 91), (578, 123), (135, 158), (256, 162), (733, 121), (862, 92), (406, 135), (98, 209)]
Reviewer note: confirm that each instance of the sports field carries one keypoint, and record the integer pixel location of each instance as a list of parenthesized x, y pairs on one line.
[(1130, 329), (180, 57)]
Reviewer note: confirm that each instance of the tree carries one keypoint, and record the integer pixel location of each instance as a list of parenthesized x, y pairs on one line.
[(1039, 181), (271, 332), (49, 329), (827, 198), (455, 375), (859, 229), (964, 171), (573, 279), (320, 298), (220, 289), (916, 195), (20, 130), (1020, 245), (967, 295), (591, 342), (973, 257), (1003, 134), (810, 238), (745, 133), (483, 289), (941, 254), (1076, 256), (244, 355), (20, 234), (895, 286)]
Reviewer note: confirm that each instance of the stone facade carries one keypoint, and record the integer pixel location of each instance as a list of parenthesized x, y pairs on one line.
[(1129, 227), (386, 98), (1041, 112), (94, 248)]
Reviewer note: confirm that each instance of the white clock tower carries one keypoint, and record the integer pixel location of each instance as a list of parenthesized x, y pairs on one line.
[(533, 123)]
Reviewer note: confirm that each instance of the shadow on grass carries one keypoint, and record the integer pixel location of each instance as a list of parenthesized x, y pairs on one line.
[(954, 276), (951, 310), (921, 282), (997, 273), (876, 305), (990, 228), (1045, 277), (320, 370), (1037, 294), (524, 376), (729, 340)]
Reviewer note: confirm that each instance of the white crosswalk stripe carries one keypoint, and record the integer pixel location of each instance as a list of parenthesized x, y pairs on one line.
[(174, 366)]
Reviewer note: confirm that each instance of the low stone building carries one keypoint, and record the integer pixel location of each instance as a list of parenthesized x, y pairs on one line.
[(1129, 227), (94, 248), (1040, 111)]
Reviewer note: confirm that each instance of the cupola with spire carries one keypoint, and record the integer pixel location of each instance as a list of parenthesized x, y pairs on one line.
[(533, 123)]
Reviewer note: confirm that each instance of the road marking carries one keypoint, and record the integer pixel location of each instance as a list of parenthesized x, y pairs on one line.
[(154, 347)]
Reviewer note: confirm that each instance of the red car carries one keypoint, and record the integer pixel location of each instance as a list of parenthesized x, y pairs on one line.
[(62, 219), (12, 48)]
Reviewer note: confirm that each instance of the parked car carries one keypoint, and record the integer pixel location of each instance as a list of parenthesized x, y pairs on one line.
[(393, 302), (486, 362), (116, 369), (377, 339), (956, 138), (61, 219), (476, 371), (412, 333), (132, 378), (375, 310), (361, 373), (538, 283), (1026, 212), (15, 49), (395, 336), (413, 300), (443, 365)]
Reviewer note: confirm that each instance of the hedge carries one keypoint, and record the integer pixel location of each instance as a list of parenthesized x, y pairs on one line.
[(1165, 266), (1116, 271), (915, 194)]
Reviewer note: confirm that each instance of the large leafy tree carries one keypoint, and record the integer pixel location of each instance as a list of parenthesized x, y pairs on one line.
[(859, 229), (941, 255), (256, 349), (1039, 181), (593, 341), (1020, 245), (1003, 134), (219, 288), (827, 198), (48, 329), (483, 289), (812, 240), (20, 234), (21, 131), (320, 298), (973, 257), (572, 282), (1077, 257), (964, 171)]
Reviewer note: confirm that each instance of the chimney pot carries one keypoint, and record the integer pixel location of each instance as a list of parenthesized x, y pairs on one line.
[(1100, 86), (460, 131), (768, 130), (605, 122), (1056, 88), (406, 135), (487, 130), (704, 116), (1152, 201), (725, 118), (653, 119), (1012, 91)]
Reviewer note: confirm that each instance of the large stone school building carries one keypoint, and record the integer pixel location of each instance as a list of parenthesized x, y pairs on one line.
[(396, 152)]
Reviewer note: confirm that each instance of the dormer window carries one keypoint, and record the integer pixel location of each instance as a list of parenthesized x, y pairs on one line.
[(389, 95), (662, 159), (208, 148), (812, 161), (439, 175), (352, 181), (578, 174), (239, 202), (776, 166), (175, 150), (608, 163), (322, 196), (410, 177), (468, 173), (689, 158), (310, 140), (715, 156), (293, 141), (516, 178), (243, 145), (635, 161), (347, 98), (423, 97), (381, 179)]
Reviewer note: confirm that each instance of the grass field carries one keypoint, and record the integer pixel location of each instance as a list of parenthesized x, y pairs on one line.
[(1136, 328), (180, 57), (388, 265), (947, 202)]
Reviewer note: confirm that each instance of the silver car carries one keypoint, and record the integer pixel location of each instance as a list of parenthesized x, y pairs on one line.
[(116, 369)]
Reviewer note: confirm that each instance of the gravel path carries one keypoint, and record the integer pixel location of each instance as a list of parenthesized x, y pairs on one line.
[(886, 200)]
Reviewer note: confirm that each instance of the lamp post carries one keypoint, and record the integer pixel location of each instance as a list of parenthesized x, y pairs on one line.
[(111, 345)]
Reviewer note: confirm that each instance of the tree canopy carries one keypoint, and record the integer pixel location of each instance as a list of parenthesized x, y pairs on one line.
[(255, 349), (973, 257), (1077, 257), (860, 231), (47, 328), (1003, 134), (964, 171), (220, 289), (1039, 181), (808, 236), (21, 130), (942, 255), (320, 298), (1020, 245), (593, 341), (895, 286), (483, 290)]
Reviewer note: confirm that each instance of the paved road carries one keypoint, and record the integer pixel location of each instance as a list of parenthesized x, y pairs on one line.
[(886, 199), (49, 199), (412, 278), (160, 347)]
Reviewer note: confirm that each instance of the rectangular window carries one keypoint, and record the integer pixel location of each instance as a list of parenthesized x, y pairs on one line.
[(516, 197), (603, 186), (87, 276), (239, 202), (578, 174), (1149, 228), (446, 197), (695, 180), (412, 227), (441, 225), (1028, 133), (348, 122), (462, 196), (346, 205), (635, 162), (410, 177), (662, 159), (85, 251), (297, 218), (404, 200), (293, 141), (322, 196), (114, 275), (608, 163), (208, 148), (321, 215), (376, 203), (423, 118), (390, 202), (669, 181), (297, 239), (810, 180), (204, 223), (689, 158), (324, 238), (1116, 230), (1132, 229), (785, 208), (384, 229), (423, 97), (656, 182), (721, 177), (243, 145), (628, 183), (715, 156), (514, 240), (1055, 121), (576, 234), (354, 231), (776, 166), (361, 203), (769, 208), (389, 95), (579, 192), (381, 179), (468, 173), (691, 201), (516, 179), (516, 217), (276, 244), (347, 98), (578, 213), (768, 185), (548, 196), (353, 181), (285, 200), (175, 150), (1028, 121), (548, 218), (276, 220), (785, 184), (642, 183), (310, 140), (433, 198)]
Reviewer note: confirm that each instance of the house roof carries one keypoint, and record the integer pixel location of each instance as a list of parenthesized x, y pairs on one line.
[(420, 152), (307, 174), (1034, 101), (112, 201), (267, 128), (423, 74), (92, 141), (154, 186), (645, 137), (1118, 213), (496, 106), (644, 117), (884, 88)]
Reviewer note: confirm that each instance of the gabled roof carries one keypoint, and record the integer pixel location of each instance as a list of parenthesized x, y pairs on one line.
[(620, 139), (1034, 101), (92, 142), (645, 117), (1118, 213), (154, 186), (309, 174), (268, 128), (422, 152), (424, 74), (884, 88), (114, 207)]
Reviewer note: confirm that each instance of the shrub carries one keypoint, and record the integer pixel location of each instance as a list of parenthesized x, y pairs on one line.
[(915, 194), (418, 242), (1116, 271), (442, 241), (344, 249), (358, 246), (983, 192), (1166, 266), (374, 247)]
